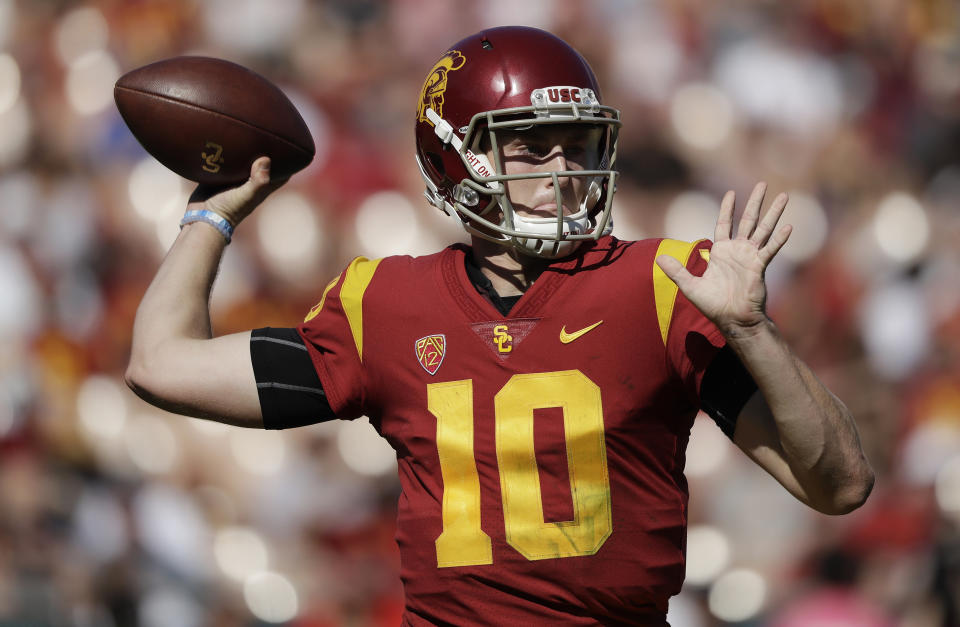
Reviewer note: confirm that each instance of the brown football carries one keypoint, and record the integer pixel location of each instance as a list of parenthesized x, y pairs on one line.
[(208, 119)]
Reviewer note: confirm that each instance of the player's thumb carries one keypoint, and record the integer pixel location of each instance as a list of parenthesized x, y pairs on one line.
[(674, 270), (254, 188), (237, 203)]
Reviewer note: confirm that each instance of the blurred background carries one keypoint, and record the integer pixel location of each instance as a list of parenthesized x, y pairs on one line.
[(113, 513)]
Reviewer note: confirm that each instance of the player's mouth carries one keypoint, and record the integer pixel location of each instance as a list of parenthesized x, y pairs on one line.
[(546, 210)]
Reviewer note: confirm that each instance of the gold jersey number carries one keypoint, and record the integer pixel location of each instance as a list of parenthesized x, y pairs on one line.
[(463, 542)]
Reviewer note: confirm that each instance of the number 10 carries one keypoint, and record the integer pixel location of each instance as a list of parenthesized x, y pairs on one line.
[(463, 542)]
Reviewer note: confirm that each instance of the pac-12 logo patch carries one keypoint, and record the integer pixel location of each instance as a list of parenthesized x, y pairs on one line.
[(430, 352)]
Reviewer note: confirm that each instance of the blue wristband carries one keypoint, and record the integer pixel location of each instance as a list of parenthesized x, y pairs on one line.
[(213, 219)]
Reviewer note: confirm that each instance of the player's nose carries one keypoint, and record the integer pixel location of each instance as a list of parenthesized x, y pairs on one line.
[(558, 163)]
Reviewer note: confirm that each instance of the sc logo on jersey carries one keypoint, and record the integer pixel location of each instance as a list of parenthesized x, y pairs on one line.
[(502, 339)]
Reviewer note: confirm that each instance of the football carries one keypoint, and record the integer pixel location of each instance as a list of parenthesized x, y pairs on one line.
[(208, 119)]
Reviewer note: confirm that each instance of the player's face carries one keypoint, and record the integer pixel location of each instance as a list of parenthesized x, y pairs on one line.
[(549, 148)]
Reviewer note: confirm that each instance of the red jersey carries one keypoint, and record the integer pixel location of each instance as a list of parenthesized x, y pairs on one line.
[(541, 453)]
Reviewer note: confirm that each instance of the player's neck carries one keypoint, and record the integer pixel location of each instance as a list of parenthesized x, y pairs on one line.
[(511, 273)]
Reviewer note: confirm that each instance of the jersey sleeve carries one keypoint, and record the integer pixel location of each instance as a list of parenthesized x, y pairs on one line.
[(333, 334), (691, 341)]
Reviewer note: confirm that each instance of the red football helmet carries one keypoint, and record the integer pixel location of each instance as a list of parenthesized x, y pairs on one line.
[(512, 77)]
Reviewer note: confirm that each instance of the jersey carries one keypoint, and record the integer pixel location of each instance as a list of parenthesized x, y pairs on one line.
[(541, 453)]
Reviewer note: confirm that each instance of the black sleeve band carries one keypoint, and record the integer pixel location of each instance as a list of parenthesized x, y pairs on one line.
[(290, 391), (725, 389)]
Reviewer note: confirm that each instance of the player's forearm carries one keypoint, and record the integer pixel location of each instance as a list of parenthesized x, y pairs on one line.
[(816, 432), (176, 305)]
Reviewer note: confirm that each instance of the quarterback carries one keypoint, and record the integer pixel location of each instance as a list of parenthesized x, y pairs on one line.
[(538, 385)]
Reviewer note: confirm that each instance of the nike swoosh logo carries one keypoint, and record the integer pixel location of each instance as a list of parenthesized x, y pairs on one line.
[(566, 338)]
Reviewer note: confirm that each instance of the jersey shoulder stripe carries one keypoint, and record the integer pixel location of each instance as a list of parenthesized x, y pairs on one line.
[(356, 279), (664, 289), (323, 298), (353, 284)]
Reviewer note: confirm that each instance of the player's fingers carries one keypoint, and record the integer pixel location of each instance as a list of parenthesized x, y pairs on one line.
[(779, 238), (770, 221), (725, 219), (752, 211), (675, 271), (259, 177)]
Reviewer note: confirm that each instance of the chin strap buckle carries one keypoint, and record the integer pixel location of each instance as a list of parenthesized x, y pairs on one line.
[(444, 129)]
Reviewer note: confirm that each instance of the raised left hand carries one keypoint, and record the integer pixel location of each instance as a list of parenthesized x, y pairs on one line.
[(732, 293)]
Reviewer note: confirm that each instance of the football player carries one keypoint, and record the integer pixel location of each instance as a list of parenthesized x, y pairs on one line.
[(539, 385)]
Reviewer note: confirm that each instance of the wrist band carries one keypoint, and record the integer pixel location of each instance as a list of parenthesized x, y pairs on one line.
[(213, 219)]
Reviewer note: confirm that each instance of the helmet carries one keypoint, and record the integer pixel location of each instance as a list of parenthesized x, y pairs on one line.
[(511, 78)]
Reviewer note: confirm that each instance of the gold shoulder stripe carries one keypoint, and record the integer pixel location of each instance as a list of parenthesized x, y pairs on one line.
[(355, 281), (665, 290), (319, 306)]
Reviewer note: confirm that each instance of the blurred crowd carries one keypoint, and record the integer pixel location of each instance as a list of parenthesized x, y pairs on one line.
[(113, 513)]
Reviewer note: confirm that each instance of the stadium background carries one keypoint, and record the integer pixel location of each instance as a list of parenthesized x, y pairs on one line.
[(113, 513)]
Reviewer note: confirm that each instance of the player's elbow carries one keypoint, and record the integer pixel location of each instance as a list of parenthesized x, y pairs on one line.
[(138, 378), (851, 493), (145, 376)]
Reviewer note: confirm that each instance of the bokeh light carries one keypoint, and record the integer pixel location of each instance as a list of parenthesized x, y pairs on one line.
[(805, 213), (386, 224), (288, 230), (249, 25), (151, 444), (20, 307), (646, 59), (363, 450), (708, 554), (90, 82), (17, 125), (929, 448), (901, 226), (271, 597), (102, 407), (163, 606), (100, 525), (9, 82), (774, 83), (691, 216), (8, 417), (738, 595), (8, 20), (948, 487), (708, 448), (240, 552), (702, 115), (258, 452), (895, 329), (80, 31), (155, 192), (172, 530)]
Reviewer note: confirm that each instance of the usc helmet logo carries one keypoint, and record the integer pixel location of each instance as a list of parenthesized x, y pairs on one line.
[(431, 96)]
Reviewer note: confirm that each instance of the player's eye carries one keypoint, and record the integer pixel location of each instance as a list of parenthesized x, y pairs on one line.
[(536, 150), (525, 148)]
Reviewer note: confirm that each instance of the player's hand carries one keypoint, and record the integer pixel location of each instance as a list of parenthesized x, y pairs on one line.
[(732, 293), (236, 203)]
